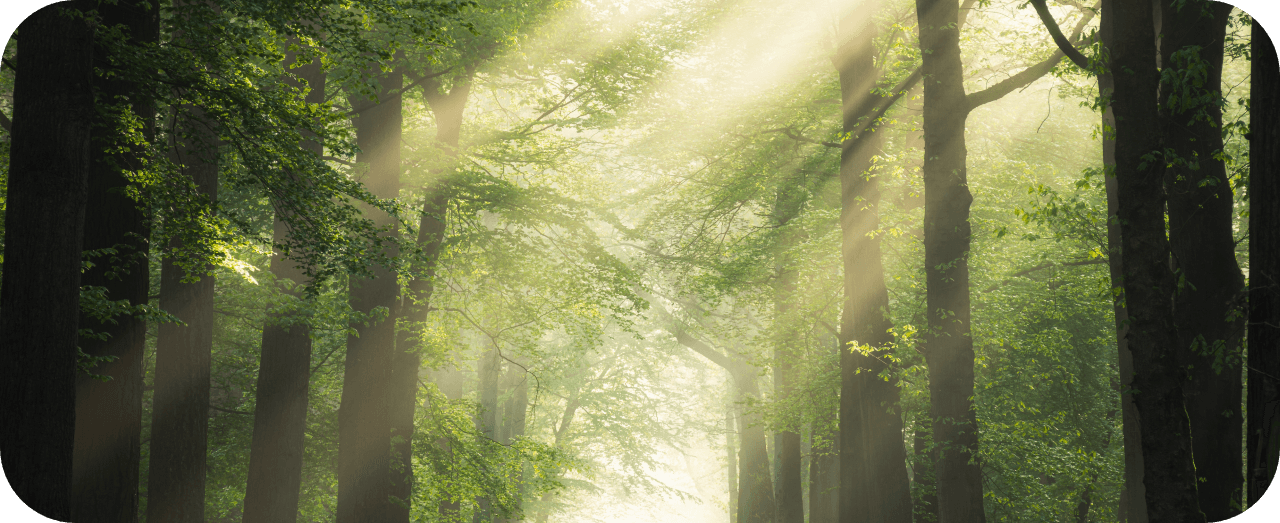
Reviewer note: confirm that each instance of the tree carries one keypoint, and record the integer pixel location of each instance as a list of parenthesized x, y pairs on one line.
[(44, 224), (1264, 300), (275, 458), (117, 229), (1169, 472)]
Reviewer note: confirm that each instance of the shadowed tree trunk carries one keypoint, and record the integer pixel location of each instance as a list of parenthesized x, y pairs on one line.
[(1264, 267), (1169, 474), (364, 421), (180, 415), (924, 500), (948, 345), (514, 419), (109, 414), (280, 417), (756, 503), (44, 223), (824, 483), (1200, 237)]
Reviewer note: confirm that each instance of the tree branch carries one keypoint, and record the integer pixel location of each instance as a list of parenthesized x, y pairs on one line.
[(1064, 45), (1025, 77), (6, 124)]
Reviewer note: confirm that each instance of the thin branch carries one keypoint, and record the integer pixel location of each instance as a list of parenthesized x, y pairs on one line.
[(9, 64), (339, 160), (228, 411), (1064, 45), (393, 97), (1043, 266), (6, 124)]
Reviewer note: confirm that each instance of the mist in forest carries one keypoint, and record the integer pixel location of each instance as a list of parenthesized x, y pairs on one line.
[(744, 261)]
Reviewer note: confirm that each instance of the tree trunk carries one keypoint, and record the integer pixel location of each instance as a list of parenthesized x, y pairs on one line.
[(180, 415), (755, 491), (1264, 267), (44, 224), (109, 414), (364, 421), (514, 419), (1169, 473), (280, 417), (1132, 508), (416, 301), (1200, 237), (948, 344)]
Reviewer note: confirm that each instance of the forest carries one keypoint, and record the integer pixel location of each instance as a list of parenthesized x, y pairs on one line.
[(745, 261)]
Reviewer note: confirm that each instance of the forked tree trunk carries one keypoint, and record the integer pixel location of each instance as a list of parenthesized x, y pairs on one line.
[(109, 414), (1169, 473), (44, 223), (280, 417)]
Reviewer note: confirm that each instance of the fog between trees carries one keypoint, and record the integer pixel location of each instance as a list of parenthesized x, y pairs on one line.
[(688, 260)]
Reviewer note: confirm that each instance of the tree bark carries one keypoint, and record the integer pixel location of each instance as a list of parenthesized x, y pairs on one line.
[(732, 461), (1201, 240), (284, 374), (416, 300), (949, 347), (924, 500), (824, 483), (180, 415), (789, 493), (756, 503), (490, 369), (1264, 267), (44, 224), (1169, 473), (364, 420), (109, 414)]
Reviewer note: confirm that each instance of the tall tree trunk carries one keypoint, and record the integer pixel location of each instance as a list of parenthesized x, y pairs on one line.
[(280, 417), (1169, 473), (1200, 237), (44, 224), (109, 414), (1132, 507), (1264, 267), (948, 344), (364, 421), (873, 475), (756, 503), (415, 302), (180, 415)]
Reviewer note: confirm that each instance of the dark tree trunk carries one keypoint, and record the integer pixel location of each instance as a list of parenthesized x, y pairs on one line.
[(1169, 473), (364, 419), (1132, 508), (1264, 267), (756, 503), (109, 414), (280, 417), (948, 345), (44, 223), (1200, 237), (180, 415), (514, 419)]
